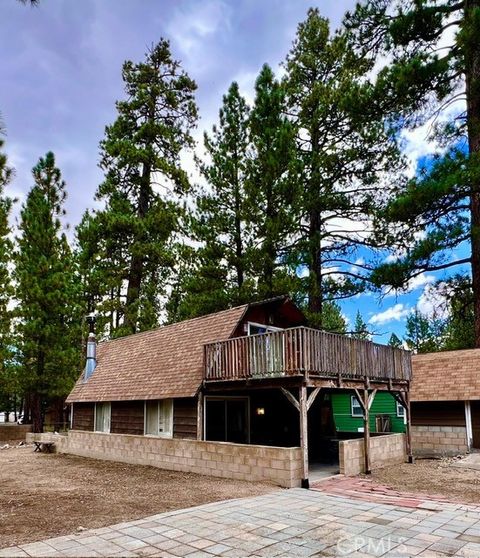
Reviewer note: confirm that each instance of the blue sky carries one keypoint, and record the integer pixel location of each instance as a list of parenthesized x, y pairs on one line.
[(60, 70)]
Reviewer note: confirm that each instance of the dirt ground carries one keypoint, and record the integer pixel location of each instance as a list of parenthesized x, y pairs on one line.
[(434, 477), (45, 495)]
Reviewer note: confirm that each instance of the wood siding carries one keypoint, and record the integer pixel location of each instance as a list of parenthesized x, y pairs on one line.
[(127, 417), (185, 418), (438, 413), (83, 415), (383, 404)]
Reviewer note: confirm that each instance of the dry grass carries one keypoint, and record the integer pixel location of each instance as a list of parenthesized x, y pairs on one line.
[(45, 495), (434, 477)]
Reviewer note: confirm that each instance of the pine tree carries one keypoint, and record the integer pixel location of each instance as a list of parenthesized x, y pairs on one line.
[(8, 385), (343, 146), (141, 159), (216, 274), (271, 186), (332, 317), (395, 341), (46, 294), (422, 334), (360, 328), (432, 69)]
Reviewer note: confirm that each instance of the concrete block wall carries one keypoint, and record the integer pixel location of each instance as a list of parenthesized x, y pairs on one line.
[(12, 431), (282, 466), (439, 440), (384, 450)]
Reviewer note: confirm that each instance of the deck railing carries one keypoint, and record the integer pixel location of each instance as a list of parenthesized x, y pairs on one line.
[(300, 351)]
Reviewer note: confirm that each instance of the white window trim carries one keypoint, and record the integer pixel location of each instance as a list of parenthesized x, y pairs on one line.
[(352, 399), (168, 434), (222, 398), (266, 326), (401, 414), (109, 417)]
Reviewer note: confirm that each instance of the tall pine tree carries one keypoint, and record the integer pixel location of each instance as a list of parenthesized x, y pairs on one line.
[(272, 187), (141, 160), (46, 294), (8, 386), (344, 145)]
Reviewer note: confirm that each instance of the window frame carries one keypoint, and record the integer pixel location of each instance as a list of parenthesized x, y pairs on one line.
[(268, 328), (107, 405), (401, 414), (167, 433), (353, 407), (225, 398)]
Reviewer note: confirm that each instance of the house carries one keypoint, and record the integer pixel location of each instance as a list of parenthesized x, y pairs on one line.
[(243, 393), (445, 396), (386, 414)]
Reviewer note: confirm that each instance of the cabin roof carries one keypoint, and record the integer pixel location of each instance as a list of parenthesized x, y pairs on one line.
[(446, 376), (166, 362)]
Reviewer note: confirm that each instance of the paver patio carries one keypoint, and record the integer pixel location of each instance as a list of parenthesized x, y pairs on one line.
[(285, 523)]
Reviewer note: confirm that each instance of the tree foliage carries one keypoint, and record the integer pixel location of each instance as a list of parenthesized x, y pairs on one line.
[(143, 179), (433, 77), (343, 147), (47, 311)]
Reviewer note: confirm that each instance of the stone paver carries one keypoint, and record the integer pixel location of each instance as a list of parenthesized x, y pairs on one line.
[(285, 523)]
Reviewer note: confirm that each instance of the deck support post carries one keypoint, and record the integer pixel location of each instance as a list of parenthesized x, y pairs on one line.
[(366, 431), (304, 433), (408, 426), (468, 424), (200, 416)]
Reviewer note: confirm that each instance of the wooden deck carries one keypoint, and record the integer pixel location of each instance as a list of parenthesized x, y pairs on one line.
[(303, 351)]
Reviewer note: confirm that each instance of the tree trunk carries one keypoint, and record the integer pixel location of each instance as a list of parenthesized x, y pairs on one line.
[(472, 78), (136, 265), (315, 295), (36, 409)]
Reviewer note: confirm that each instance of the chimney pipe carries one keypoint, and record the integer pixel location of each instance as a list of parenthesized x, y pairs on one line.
[(91, 348)]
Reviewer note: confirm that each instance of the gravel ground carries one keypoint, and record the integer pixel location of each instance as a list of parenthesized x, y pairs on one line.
[(434, 477), (45, 495)]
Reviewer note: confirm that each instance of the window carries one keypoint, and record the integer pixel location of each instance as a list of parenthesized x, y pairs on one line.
[(254, 328), (357, 410), (103, 412), (400, 410), (159, 418)]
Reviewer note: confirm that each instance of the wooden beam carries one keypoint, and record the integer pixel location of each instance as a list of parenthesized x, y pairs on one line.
[(304, 434), (360, 400), (366, 430), (409, 427), (371, 398), (200, 416), (312, 397), (291, 398)]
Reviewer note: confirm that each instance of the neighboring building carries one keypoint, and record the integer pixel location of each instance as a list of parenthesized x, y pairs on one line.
[(386, 413), (253, 376), (445, 402)]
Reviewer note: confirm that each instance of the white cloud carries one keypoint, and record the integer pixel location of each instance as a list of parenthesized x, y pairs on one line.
[(394, 313)]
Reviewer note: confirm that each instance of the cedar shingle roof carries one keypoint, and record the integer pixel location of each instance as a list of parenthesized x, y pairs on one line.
[(446, 376), (162, 363)]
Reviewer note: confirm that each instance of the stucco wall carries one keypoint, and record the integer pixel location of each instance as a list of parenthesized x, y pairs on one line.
[(282, 466), (385, 450), (439, 440)]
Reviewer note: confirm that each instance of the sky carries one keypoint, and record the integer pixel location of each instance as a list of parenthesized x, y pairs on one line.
[(60, 67)]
